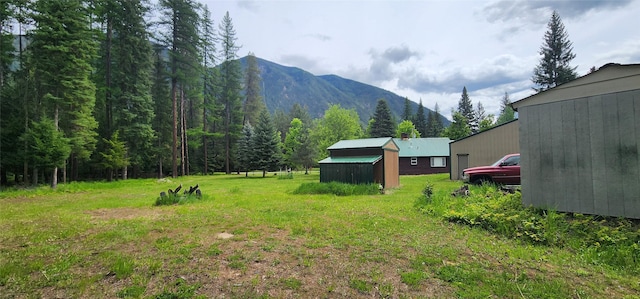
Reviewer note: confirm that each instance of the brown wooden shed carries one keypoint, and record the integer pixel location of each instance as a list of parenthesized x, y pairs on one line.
[(361, 161)]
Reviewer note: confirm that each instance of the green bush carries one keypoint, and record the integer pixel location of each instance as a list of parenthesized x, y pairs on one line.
[(176, 199), (601, 240), (340, 189)]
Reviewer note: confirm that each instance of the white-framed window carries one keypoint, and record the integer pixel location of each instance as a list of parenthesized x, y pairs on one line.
[(414, 161), (438, 162)]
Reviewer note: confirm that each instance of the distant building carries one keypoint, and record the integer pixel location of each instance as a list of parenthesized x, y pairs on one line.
[(362, 161), (423, 155), (579, 144), (484, 148)]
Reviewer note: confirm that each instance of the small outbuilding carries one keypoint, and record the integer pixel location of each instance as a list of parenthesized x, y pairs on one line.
[(362, 161), (423, 155), (579, 144), (484, 148)]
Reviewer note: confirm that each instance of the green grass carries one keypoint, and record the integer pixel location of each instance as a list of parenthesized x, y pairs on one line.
[(107, 240)]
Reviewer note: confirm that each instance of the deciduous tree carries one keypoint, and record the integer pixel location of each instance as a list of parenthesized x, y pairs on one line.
[(337, 124)]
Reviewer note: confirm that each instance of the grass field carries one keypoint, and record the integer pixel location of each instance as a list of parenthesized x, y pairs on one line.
[(253, 238)]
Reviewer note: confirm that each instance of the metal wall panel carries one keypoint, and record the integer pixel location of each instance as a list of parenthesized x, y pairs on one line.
[(582, 155), (485, 147)]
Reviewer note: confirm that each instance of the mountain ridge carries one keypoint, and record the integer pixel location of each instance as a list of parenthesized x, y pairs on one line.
[(285, 85)]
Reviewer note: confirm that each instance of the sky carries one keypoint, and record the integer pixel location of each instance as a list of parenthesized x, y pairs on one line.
[(428, 50)]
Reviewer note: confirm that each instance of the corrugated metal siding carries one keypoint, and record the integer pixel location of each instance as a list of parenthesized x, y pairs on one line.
[(356, 152), (347, 173), (486, 147), (582, 155)]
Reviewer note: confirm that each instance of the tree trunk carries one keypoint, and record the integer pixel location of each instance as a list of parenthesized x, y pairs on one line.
[(182, 133), (125, 174), (35, 177), (54, 176), (174, 147)]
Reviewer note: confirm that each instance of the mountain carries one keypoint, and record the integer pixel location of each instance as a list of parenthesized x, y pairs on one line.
[(282, 86)]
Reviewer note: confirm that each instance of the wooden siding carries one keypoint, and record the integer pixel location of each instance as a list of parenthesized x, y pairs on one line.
[(423, 167), (485, 147), (391, 169), (582, 155)]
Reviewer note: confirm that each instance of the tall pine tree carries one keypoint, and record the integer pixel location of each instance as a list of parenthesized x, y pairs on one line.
[(420, 120), (383, 125), (465, 108), (557, 52), (253, 103), (231, 87), (407, 114), (180, 19), (62, 49)]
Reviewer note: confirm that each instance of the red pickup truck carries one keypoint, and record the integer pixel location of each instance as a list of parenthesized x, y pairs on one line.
[(504, 171)]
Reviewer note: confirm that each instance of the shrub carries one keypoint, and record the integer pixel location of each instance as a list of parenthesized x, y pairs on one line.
[(600, 240)]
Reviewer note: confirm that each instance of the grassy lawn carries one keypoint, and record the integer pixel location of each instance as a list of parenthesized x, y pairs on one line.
[(107, 240)]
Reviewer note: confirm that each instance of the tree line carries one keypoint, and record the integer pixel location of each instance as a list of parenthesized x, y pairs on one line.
[(108, 89), (117, 88)]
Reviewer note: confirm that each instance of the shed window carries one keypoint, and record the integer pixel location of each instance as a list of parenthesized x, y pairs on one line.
[(414, 161), (438, 162)]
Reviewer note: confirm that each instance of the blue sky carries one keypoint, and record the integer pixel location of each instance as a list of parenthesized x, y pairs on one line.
[(429, 50)]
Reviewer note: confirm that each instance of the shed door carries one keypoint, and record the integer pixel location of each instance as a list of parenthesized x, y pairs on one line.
[(463, 163)]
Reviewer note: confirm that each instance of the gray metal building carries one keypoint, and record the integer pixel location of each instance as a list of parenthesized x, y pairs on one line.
[(483, 148), (579, 144)]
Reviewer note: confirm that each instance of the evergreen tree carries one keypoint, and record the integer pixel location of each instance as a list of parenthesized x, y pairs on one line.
[(163, 123), (434, 123), (253, 103), (132, 68), (48, 148), (420, 120), (484, 121), (245, 149), (114, 156), (230, 79), (211, 110), (266, 144), (459, 128), (506, 112), (383, 125), (407, 114), (466, 109), (180, 19), (301, 113), (62, 49), (557, 52)]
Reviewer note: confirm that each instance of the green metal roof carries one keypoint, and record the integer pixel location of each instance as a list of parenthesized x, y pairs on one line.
[(361, 143), (352, 160), (423, 147)]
